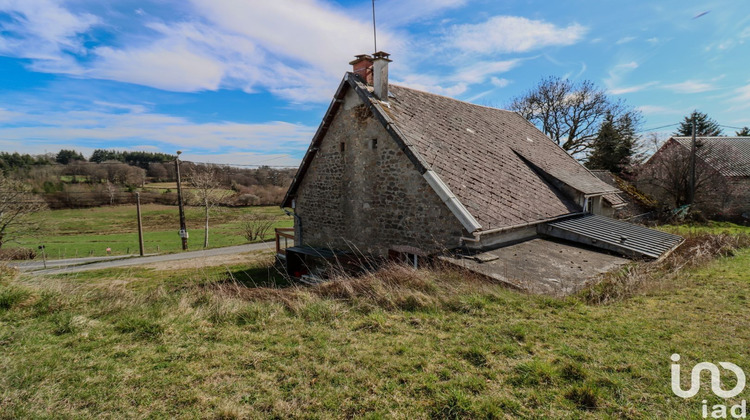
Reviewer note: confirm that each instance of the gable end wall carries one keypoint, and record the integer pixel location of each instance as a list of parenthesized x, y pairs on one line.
[(369, 199)]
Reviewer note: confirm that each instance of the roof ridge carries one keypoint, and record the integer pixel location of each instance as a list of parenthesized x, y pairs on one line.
[(713, 137), (453, 99)]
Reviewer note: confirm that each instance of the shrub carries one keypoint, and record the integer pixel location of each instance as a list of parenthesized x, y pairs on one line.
[(11, 296), (12, 254), (257, 226)]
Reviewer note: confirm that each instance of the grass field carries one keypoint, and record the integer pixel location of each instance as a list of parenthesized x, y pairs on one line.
[(402, 343), (85, 232), (186, 188)]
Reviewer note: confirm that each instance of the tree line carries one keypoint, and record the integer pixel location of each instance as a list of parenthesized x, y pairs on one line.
[(68, 179), (597, 129)]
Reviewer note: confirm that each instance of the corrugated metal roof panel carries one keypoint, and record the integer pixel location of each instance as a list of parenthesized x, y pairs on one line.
[(614, 235)]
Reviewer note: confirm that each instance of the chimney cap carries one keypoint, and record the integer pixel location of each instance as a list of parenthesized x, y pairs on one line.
[(359, 58), (381, 55)]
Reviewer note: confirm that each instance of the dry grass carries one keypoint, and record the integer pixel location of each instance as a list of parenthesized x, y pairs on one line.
[(396, 343), (393, 287), (698, 249)]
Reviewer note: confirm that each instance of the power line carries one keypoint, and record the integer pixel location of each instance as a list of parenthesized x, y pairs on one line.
[(657, 128), (729, 126)]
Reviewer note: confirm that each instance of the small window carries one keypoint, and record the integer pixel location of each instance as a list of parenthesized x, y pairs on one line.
[(342, 147), (374, 144)]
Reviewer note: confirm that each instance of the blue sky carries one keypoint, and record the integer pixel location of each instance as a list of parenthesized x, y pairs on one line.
[(247, 81)]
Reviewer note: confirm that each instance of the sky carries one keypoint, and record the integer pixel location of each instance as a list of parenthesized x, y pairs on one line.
[(248, 81)]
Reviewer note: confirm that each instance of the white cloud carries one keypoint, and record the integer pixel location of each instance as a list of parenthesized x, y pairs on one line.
[(170, 68), (305, 30), (690, 86), (500, 83), (617, 73), (630, 89), (625, 40), (7, 116), (393, 13), (102, 127), (433, 84), (478, 72), (42, 29), (509, 34), (656, 109), (297, 49), (456, 83), (742, 94)]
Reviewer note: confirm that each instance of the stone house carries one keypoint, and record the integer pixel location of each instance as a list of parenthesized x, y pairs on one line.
[(722, 174), (394, 171)]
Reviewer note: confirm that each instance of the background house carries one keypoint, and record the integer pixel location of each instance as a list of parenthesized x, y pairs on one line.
[(722, 174)]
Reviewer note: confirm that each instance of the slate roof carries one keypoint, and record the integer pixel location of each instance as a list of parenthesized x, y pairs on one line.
[(728, 155), (495, 162), (475, 151)]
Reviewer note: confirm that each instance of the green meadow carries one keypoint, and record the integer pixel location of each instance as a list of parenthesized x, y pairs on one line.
[(87, 232), (242, 342)]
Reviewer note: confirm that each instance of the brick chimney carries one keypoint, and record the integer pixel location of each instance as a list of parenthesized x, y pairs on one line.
[(362, 65), (380, 62)]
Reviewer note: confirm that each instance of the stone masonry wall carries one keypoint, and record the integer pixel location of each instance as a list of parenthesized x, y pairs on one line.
[(369, 199), (741, 200)]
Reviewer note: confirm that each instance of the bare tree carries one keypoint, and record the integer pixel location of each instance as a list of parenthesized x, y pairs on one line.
[(111, 192), (569, 113), (206, 191), (17, 203), (257, 226)]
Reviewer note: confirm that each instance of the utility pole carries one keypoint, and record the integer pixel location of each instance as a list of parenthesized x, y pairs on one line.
[(183, 228), (692, 164), (140, 223)]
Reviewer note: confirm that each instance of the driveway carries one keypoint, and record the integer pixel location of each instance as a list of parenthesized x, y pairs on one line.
[(136, 261)]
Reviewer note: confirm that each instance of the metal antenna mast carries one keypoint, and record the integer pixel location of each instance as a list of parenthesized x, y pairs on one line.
[(374, 31)]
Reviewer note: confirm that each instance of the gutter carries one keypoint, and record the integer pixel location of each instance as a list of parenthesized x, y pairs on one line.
[(299, 224), (478, 235), (450, 200)]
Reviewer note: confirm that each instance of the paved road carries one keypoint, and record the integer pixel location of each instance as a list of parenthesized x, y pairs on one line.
[(38, 265), (129, 262)]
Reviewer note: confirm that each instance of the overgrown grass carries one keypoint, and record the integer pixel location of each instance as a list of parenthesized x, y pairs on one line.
[(697, 249), (85, 232), (398, 343)]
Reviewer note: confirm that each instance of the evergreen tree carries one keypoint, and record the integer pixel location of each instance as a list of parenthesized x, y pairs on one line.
[(704, 126), (101, 155), (614, 145), (744, 132), (65, 156)]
